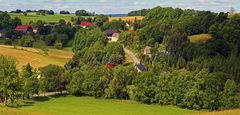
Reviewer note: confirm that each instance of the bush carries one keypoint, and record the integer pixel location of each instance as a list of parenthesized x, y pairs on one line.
[(58, 45), (27, 41)]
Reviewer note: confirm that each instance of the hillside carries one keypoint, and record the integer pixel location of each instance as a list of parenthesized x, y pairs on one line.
[(56, 17), (71, 105), (48, 18), (36, 57), (13, 111)]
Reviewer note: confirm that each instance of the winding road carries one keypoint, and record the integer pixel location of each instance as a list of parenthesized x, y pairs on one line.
[(131, 55)]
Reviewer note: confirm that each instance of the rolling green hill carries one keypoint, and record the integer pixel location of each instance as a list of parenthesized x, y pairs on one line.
[(71, 105), (47, 18)]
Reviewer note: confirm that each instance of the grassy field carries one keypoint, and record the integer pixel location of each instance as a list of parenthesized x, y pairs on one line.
[(228, 112), (71, 105), (13, 111), (36, 57), (55, 18), (48, 18), (200, 38)]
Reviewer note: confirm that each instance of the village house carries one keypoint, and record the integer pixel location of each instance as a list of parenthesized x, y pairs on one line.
[(24, 29), (115, 37), (86, 24), (110, 66), (2, 33), (35, 30), (147, 51), (110, 33)]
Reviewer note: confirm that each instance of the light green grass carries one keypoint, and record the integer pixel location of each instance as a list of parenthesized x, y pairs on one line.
[(47, 18), (71, 105)]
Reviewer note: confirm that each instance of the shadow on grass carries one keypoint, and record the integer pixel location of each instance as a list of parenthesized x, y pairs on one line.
[(41, 98), (59, 95)]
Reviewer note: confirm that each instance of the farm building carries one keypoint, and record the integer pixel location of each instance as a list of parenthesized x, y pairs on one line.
[(115, 37), (85, 24), (110, 33), (2, 33), (35, 30), (24, 29), (110, 66), (147, 51)]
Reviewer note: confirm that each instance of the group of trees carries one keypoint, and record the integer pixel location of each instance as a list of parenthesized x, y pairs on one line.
[(142, 12), (189, 75), (84, 13), (16, 85)]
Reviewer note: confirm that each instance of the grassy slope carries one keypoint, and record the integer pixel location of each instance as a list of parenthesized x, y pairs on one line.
[(48, 18), (89, 106), (36, 57), (200, 38), (55, 18), (228, 112), (13, 111)]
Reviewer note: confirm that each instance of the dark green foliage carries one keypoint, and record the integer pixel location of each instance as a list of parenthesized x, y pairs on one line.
[(83, 13), (51, 78), (114, 25), (101, 19), (142, 12), (122, 78), (229, 98), (84, 38), (64, 12), (58, 45), (27, 41), (145, 90), (10, 82), (76, 84)]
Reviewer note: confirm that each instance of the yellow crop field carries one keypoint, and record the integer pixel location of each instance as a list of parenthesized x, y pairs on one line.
[(200, 38), (126, 18), (36, 57)]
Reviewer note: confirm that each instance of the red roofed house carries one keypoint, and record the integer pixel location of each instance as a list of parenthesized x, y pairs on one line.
[(86, 24), (110, 66), (25, 29)]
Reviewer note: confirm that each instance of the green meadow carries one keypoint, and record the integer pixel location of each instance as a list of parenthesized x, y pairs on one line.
[(71, 105), (47, 18)]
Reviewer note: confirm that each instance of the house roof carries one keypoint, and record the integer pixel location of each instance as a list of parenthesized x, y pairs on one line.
[(86, 23), (23, 27), (110, 66), (147, 50), (141, 68), (110, 32), (2, 30), (131, 31)]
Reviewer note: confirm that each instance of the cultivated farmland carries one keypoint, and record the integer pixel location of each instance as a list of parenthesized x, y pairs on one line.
[(36, 57)]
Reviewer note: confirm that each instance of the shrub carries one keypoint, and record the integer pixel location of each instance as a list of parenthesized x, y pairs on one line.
[(58, 45)]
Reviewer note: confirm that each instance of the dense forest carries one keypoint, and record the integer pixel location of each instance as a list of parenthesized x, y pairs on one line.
[(202, 75)]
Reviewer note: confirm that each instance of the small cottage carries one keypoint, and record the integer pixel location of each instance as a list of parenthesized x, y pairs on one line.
[(86, 24), (147, 51), (110, 66), (115, 37), (110, 33), (24, 29)]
